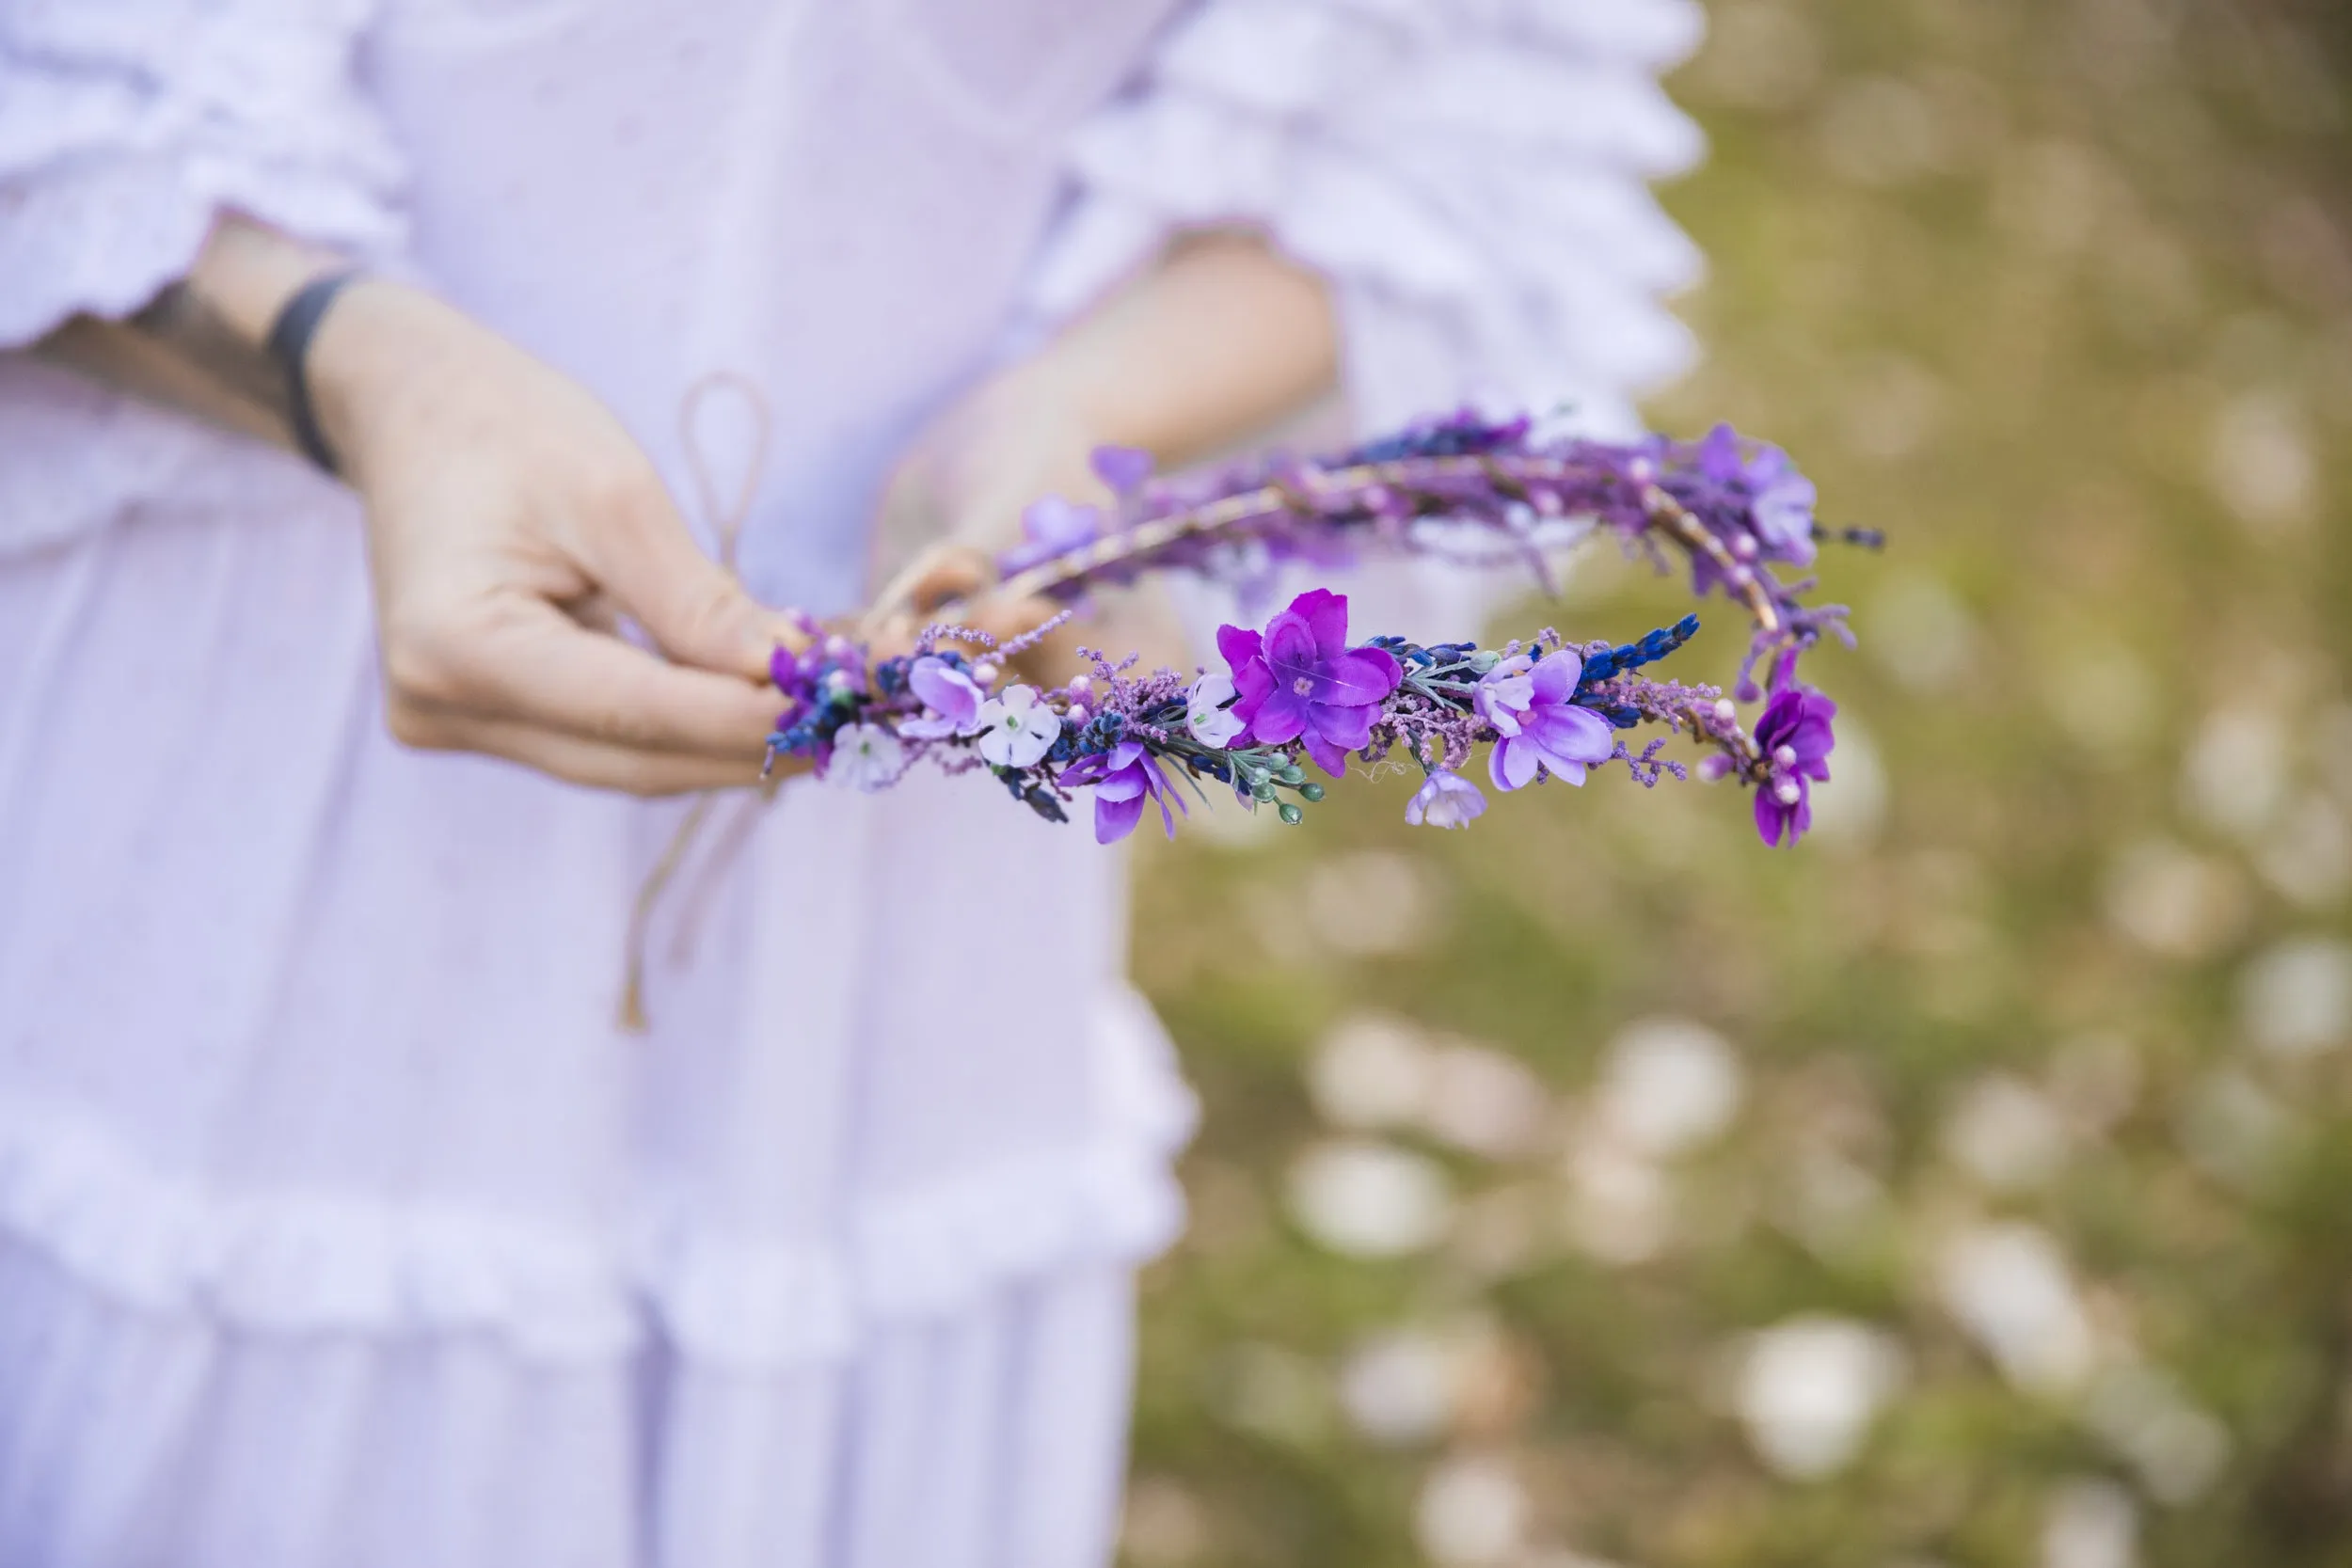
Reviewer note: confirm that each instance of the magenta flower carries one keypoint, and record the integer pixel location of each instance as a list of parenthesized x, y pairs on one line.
[(1300, 680), (1124, 778), (1444, 800), (951, 696), (1528, 702), (1795, 738)]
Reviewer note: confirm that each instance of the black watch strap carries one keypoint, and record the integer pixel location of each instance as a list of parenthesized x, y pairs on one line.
[(290, 345)]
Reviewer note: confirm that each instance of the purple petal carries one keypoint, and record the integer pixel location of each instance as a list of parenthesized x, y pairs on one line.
[(1331, 759), (1555, 676), (1290, 640), (1114, 819), (1512, 766), (1279, 716), (1120, 467), (1125, 784), (1359, 675), (1058, 524), (1326, 614), (1347, 727), (1719, 454), (945, 691), (1572, 733), (1240, 646), (1252, 682), (783, 667)]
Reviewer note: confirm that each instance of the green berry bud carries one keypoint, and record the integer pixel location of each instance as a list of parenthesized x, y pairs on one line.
[(1291, 814), (1311, 791)]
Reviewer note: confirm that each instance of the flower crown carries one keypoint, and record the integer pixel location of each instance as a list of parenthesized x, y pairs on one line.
[(1297, 692)]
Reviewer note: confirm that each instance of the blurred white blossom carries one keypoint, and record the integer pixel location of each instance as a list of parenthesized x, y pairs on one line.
[(1369, 1199), (1808, 1388), (1668, 1084), (1399, 1388), (1412, 1385), (1371, 1072), (2008, 1285), (2234, 778), (2090, 1524), (1484, 1101), (2261, 466), (2005, 1133), (1472, 1514), (2308, 856), (2296, 1000), (2174, 901), (1620, 1207)]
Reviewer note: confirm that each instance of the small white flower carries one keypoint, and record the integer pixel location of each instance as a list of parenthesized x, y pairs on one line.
[(1016, 729), (866, 757), (1208, 714)]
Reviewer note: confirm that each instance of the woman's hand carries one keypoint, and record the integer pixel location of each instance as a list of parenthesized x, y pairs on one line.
[(954, 503), (511, 523)]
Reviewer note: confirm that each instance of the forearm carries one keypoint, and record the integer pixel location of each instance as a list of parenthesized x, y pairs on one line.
[(198, 345), (1221, 339)]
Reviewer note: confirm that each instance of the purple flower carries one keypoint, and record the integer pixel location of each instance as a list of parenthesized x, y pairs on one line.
[(951, 696), (783, 667), (1445, 801), (1054, 526), (1120, 467), (1300, 680), (1794, 736), (1124, 778), (1780, 499), (1528, 703)]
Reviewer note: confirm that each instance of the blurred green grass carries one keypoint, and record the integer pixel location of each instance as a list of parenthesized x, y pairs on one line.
[(2060, 296)]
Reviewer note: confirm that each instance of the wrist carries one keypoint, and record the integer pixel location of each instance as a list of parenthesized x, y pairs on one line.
[(246, 273), (369, 362)]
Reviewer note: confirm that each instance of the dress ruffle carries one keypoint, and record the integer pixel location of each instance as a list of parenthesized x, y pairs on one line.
[(290, 1261), (125, 128), (1472, 176)]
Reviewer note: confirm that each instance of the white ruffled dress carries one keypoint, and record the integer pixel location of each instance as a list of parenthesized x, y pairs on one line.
[(339, 1224)]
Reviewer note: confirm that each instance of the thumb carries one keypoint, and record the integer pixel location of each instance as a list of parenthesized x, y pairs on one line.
[(943, 574)]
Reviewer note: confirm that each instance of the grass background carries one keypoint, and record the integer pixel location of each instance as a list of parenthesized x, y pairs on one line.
[(2059, 294)]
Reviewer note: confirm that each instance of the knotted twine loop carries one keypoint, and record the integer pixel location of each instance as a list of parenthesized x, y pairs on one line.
[(725, 518)]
